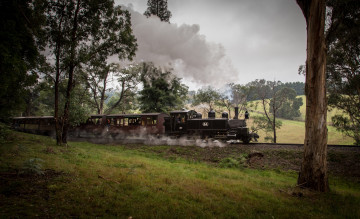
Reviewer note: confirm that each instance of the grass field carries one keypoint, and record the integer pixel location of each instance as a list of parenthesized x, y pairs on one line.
[(293, 131), (107, 181)]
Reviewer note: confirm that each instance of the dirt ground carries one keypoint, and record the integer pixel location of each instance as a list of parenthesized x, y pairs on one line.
[(344, 161)]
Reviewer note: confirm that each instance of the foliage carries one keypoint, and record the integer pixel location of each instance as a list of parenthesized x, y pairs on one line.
[(129, 105), (40, 102), (162, 91), (265, 124), (207, 96), (4, 132), (343, 65), (19, 26), (272, 97), (32, 166), (289, 106), (158, 8), (129, 79), (348, 127), (236, 96), (299, 87), (78, 33), (230, 162)]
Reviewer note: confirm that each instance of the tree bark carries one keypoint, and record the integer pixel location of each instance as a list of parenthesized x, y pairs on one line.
[(72, 65), (102, 98), (58, 128), (313, 173)]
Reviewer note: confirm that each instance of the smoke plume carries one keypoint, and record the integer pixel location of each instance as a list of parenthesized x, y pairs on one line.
[(183, 49)]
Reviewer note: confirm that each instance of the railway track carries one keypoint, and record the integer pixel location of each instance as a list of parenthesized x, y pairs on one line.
[(190, 142)]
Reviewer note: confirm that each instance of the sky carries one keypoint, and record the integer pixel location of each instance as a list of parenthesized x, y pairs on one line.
[(215, 42)]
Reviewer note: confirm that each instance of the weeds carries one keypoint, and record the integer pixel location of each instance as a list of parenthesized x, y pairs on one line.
[(4, 133), (32, 166), (230, 162)]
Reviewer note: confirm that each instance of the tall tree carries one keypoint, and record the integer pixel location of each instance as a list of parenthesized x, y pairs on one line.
[(161, 91), (158, 8), (96, 78), (313, 172), (78, 32), (20, 24), (128, 79), (272, 98), (343, 65)]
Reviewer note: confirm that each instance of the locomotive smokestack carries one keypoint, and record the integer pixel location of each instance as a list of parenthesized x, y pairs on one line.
[(236, 112)]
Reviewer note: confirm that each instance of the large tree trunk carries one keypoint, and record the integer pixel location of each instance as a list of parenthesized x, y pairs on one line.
[(313, 173)]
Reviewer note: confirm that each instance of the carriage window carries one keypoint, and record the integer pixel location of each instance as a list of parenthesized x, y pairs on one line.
[(126, 121), (151, 120), (148, 121), (134, 121), (112, 121)]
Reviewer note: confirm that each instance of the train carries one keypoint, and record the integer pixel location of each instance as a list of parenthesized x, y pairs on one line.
[(176, 124)]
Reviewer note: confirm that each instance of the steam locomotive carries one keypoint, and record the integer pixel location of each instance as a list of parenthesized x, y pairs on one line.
[(180, 123), (191, 123)]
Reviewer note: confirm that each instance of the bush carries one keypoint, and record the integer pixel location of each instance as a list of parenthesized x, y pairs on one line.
[(4, 132), (32, 166)]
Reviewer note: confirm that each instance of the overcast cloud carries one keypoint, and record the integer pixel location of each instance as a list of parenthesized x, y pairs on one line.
[(213, 42)]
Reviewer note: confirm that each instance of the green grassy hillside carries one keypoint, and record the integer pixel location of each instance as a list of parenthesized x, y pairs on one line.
[(40, 179), (294, 131)]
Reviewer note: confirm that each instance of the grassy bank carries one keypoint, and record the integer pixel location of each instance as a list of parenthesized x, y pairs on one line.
[(87, 180)]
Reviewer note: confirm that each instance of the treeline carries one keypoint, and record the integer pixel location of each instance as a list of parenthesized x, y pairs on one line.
[(54, 60), (299, 88)]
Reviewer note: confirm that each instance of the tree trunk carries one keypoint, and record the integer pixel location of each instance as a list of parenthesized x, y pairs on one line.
[(274, 127), (313, 173), (65, 119), (102, 98), (58, 128)]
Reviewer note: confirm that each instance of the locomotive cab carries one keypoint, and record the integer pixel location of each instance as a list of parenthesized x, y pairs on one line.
[(177, 122)]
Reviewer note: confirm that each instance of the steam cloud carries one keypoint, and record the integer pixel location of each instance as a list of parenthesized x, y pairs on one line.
[(183, 49)]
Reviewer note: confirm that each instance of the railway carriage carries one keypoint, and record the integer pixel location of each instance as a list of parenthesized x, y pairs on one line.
[(42, 125), (120, 126)]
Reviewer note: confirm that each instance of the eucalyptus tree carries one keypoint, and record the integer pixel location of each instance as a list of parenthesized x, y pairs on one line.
[(20, 24), (343, 65), (272, 98), (313, 172), (128, 80), (158, 8), (162, 91), (77, 32)]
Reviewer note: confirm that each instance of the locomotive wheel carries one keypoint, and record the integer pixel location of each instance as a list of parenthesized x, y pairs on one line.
[(246, 140)]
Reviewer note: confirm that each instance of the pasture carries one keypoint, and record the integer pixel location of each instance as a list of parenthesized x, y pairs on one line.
[(40, 179), (293, 131)]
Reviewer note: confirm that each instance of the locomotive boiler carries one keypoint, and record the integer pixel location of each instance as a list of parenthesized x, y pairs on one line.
[(190, 123)]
